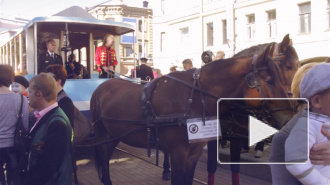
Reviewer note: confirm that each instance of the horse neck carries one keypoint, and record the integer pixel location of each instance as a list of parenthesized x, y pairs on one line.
[(226, 78)]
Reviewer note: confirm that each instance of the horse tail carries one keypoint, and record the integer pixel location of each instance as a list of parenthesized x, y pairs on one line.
[(95, 115)]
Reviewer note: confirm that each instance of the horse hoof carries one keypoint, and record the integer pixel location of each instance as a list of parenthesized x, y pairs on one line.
[(167, 176)]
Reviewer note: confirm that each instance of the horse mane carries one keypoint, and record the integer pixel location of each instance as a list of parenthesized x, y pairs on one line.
[(258, 49)]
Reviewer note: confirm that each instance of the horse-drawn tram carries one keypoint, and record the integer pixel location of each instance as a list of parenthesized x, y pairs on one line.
[(156, 115), (80, 35)]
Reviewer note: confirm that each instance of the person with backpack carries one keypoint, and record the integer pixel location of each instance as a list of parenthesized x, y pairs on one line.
[(10, 107)]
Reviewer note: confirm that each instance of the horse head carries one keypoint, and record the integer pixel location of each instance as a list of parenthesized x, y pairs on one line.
[(270, 77), (286, 58)]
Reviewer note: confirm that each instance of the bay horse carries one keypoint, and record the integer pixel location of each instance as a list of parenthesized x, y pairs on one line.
[(286, 61), (121, 100)]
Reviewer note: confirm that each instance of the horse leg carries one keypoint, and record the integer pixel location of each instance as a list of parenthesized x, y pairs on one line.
[(178, 158), (103, 154), (211, 161), (183, 163), (235, 156), (166, 165)]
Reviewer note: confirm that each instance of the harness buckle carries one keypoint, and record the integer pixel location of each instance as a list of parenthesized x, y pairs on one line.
[(196, 76)]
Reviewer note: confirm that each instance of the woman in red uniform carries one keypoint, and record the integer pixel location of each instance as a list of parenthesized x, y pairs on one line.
[(105, 57)]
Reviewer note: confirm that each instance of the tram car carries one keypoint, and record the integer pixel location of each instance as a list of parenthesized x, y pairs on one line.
[(80, 35)]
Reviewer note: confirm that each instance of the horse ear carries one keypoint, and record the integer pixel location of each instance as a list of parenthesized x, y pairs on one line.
[(267, 52), (286, 42)]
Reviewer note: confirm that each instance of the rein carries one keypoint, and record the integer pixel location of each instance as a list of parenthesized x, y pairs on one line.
[(196, 77)]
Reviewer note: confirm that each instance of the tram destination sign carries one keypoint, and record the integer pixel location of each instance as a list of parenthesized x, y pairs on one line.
[(198, 132)]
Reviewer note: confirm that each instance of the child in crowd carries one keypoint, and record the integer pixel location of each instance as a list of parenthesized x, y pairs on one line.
[(314, 86)]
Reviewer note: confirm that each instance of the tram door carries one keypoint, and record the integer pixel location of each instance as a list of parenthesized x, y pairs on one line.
[(79, 44)]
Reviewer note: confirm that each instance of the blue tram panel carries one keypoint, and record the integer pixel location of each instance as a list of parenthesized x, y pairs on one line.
[(80, 92)]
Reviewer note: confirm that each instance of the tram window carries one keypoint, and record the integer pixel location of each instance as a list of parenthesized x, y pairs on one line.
[(12, 54), (17, 55), (1, 55), (4, 54), (7, 53), (23, 45), (83, 56), (76, 53)]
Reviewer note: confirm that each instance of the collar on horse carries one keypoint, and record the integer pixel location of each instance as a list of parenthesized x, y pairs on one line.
[(196, 86)]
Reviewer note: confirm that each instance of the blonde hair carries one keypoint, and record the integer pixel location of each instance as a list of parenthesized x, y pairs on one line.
[(295, 85), (220, 55), (46, 84), (105, 38)]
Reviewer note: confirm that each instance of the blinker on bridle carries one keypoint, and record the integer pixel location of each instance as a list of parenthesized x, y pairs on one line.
[(252, 78)]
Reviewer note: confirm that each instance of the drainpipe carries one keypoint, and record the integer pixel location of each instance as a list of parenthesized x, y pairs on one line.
[(234, 29), (201, 23)]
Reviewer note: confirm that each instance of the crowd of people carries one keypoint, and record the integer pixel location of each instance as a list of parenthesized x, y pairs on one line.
[(45, 153)]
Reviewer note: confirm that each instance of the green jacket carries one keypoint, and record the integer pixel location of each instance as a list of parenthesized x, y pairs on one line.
[(49, 161)]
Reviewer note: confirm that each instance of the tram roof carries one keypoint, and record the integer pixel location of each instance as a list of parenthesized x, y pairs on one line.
[(78, 24)]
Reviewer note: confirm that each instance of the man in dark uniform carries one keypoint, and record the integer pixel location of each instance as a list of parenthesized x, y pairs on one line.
[(49, 57), (144, 71)]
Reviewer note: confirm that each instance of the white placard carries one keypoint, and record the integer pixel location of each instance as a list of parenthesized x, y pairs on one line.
[(197, 132)]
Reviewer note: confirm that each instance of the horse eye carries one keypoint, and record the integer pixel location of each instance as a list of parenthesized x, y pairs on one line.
[(289, 67), (269, 80)]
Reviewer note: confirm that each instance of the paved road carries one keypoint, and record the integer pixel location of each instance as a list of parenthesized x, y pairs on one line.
[(126, 169)]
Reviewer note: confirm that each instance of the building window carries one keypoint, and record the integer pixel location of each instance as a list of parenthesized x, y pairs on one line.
[(224, 32), (184, 35), (162, 41), (328, 13), (209, 34), (110, 19), (128, 50), (250, 26), (163, 6), (140, 25), (140, 50), (305, 18), (271, 24)]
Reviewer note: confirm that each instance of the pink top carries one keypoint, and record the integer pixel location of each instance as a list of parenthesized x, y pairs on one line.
[(40, 114)]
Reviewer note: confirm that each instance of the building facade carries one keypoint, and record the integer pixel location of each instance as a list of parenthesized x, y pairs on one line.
[(184, 30), (142, 18)]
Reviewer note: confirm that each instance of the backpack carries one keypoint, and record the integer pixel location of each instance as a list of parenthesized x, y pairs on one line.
[(20, 133), (82, 127)]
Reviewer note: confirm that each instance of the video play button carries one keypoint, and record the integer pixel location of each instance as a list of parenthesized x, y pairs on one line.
[(259, 131)]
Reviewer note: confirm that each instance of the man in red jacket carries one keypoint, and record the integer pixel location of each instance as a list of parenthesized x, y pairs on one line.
[(105, 57)]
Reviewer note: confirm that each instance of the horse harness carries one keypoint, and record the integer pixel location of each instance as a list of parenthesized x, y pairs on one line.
[(179, 119)]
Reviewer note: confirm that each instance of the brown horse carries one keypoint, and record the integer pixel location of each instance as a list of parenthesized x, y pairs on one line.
[(286, 62), (121, 100)]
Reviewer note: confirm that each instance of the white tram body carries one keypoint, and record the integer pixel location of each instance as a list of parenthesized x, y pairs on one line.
[(21, 50)]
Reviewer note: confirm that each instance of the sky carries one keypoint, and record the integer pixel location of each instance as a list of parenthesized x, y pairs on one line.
[(39, 8)]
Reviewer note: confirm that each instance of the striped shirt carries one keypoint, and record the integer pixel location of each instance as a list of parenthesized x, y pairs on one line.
[(297, 150)]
